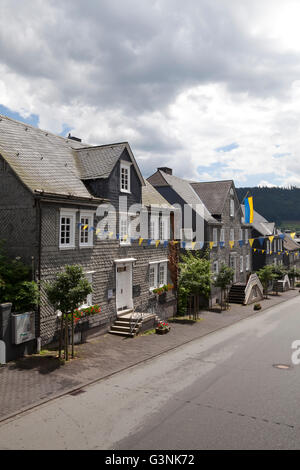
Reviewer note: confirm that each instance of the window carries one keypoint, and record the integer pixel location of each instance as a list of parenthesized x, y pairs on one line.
[(154, 227), (162, 277), (241, 264), (125, 177), (247, 262), (222, 235), (231, 207), (215, 267), (89, 300), (124, 230), (215, 236), (241, 234), (163, 228), (232, 234), (67, 229), (246, 236), (86, 234), (186, 234), (268, 246), (158, 274)]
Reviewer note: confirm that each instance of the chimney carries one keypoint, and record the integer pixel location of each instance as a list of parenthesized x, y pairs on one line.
[(74, 138), (165, 169)]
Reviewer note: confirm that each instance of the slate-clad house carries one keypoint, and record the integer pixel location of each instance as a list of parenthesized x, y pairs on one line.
[(268, 242), (291, 253), (224, 231), (50, 190)]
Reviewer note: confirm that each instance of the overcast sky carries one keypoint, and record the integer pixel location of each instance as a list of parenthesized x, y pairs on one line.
[(210, 88)]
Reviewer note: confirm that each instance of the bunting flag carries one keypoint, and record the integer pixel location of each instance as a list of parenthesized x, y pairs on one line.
[(85, 227), (166, 243), (211, 244), (149, 242), (183, 245), (222, 244), (282, 236), (254, 249), (241, 243), (157, 243), (110, 234), (231, 244), (293, 235), (263, 251), (261, 240), (141, 241), (98, 231), (251, 241), (249, 210), (193, 245), (271, 238)]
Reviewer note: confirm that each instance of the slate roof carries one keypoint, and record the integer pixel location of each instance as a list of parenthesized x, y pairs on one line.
[(185, 190), (261, 224), (290, 244), (213, 194), (99, 161), (150, 196), (43, 161), (53, 164)]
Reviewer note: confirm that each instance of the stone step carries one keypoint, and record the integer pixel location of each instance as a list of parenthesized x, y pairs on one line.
[(121, 333), (125, 329)]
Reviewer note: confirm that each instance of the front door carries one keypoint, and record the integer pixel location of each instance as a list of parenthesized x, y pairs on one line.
[(124, 286)]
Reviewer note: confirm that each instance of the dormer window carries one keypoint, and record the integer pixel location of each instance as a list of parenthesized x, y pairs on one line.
[(231, 207), (125, 177)]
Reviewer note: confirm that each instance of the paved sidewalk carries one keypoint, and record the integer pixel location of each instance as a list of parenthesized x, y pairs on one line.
[(37, 379)]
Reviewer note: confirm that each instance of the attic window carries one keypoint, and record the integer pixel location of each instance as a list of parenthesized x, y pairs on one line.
[(125, 177)]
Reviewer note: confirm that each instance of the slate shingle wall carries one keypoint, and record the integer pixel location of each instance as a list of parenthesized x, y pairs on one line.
[(99, 259)]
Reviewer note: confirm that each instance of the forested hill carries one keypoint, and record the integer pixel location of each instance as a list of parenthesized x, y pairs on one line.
[(275, 204)]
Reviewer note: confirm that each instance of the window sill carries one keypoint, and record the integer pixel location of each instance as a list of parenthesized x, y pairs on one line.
[(63, 248), (126, 191), (86, 246)]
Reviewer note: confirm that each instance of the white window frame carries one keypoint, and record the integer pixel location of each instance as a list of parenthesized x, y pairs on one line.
[(70, 214), (216, 267), (165, 276), (89, 215), (215, 236), (232, 207), (156, 265), (164, 228), (246, 236), (222, 235), (127, 167), (241, 264), (154, 227), (153, 266), (231, 238), (247, 262), (124, 217), (186, 234), (241, 234), (89, 300)]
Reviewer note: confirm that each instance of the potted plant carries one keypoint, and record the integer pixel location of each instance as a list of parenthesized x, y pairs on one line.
[(257, 307), (162, 328)]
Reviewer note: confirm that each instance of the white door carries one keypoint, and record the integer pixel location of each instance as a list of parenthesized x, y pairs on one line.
[(124, 286)]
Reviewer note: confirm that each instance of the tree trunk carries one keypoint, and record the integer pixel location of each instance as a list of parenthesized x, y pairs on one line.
[(66, 338), (61, 335), (72, 335)]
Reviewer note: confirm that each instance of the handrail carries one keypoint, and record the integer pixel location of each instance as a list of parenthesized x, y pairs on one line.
[(138, 318), (253, 280)]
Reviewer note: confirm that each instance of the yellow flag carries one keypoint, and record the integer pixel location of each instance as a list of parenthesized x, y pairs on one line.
[(98, 231), (211, 244), (111, 234), (263, 251), (293, 235), (193, 245), (157, 243), (125, 238), (271, 252), (271, 238), (231, 243), (85, 227), (254, 249), (141, 241), (251, 241)]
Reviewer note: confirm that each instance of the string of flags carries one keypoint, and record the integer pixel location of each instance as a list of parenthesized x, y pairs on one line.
[(196, 245)]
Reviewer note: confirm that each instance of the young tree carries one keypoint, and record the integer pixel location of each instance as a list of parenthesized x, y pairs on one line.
[(67, 293), (223, 280), (266, 275), (194, 278), (278, 274)]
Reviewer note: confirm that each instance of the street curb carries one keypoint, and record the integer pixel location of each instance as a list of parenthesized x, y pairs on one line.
[(25, 410)]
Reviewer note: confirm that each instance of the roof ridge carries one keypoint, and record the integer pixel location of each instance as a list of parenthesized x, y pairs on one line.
[(90, 147), (43, 131)]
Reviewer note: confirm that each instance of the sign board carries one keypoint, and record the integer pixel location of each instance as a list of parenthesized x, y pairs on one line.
[(23, 327), (2, 352)]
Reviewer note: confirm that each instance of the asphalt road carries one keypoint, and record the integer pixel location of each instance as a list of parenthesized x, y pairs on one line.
[(219, 392)]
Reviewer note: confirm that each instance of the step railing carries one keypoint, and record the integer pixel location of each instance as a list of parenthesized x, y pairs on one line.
[(253, 281), (135, 319)]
